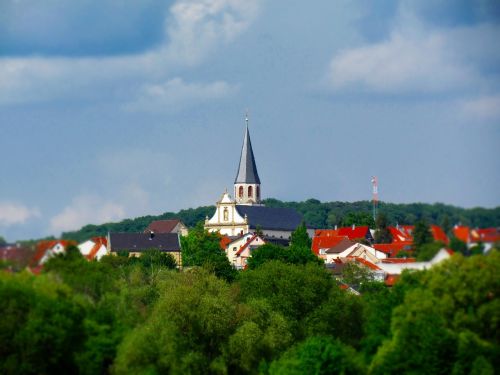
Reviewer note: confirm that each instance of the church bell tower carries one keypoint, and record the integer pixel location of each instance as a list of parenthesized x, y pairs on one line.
[(247, 182)]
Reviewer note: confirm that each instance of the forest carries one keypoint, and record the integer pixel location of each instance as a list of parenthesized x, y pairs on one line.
[(320, 215), (285, 314)]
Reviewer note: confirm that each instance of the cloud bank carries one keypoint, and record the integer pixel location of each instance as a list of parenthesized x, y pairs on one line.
[(15, 213), (193, 29)]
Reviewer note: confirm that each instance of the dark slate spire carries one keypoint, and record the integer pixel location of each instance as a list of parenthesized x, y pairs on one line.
[(247, 171)]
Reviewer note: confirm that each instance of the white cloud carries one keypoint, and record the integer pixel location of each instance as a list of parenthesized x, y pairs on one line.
[(194, 29), (175, 94), (196, 26), (86, 209), (483, 108), (404, 63), (15, 213), (127, 201), (417, 58)]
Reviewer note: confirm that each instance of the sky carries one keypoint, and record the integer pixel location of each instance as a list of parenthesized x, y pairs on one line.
[(115, 109)]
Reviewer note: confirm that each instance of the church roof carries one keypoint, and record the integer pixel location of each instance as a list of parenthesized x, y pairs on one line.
[(271, 218), (247, 170)]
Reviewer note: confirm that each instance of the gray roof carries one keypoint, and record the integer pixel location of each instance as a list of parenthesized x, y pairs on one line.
[(247, 170), (137, 242), (271, 218)]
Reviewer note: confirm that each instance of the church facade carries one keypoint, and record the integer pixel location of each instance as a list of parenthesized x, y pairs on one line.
[(246, 213)]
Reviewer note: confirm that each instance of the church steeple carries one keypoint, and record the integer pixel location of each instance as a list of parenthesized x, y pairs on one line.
[(247, 182)]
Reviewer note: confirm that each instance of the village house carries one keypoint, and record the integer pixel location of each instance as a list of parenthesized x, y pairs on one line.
[(95, 248), (48, 248), (167, 226), (136, 243), (239, 249)]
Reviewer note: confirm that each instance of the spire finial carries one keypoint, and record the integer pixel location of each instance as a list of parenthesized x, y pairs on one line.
[(246, 117)]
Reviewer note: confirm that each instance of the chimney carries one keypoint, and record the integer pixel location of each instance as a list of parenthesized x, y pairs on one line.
[(353, 226), (336, 226)]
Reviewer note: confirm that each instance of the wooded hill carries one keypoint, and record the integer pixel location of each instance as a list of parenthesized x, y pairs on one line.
[(320, 215)]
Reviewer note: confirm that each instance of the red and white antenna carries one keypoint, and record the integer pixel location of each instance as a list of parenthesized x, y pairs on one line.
[(375, 196)]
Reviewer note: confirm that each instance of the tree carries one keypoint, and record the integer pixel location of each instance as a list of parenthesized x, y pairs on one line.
[(300, 237), (427, 251), (41, 326), (442, 326), (445, 224), (358, 218), (186, 332), (382, 234), (293, 290), (458, 246), (154, 260), (421, 234), (318, 355), (201, 248), (3, 242), (356, 276), (292, 255)]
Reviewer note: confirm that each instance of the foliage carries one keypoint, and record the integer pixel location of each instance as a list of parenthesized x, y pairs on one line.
[(292, 290), (300, 237), (427, 251), (41, 326), (193, 318), (318, 215), (458, 246), (155, 260), (292, 255), (421, 234), (138, 315), (449, 321), (201, 248), (382, 234), (3, 242), (318, 355), (355, 276), (358, 218)]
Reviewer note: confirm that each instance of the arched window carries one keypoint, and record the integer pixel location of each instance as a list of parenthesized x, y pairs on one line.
[(258, 192), (226, 214), (240, 192), (250, 192)]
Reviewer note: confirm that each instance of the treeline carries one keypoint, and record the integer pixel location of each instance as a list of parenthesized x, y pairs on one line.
[(284, 315), (320, 215)]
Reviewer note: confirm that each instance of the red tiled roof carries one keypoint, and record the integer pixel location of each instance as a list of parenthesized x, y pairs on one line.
[(390, 280), (486, 235), (325, 232), (224, 241), (162, 226), (461, 232), (325, 242), (438, 234), (399, 260), (399, 235), (392, 249), (98, 242), (43, 246), (245, 245), (354, 233), (367, 263)]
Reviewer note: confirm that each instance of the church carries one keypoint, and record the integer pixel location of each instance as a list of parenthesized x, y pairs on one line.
[(246, 213)]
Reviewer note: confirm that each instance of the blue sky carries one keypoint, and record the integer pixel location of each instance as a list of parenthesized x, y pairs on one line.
[(113, 109)]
